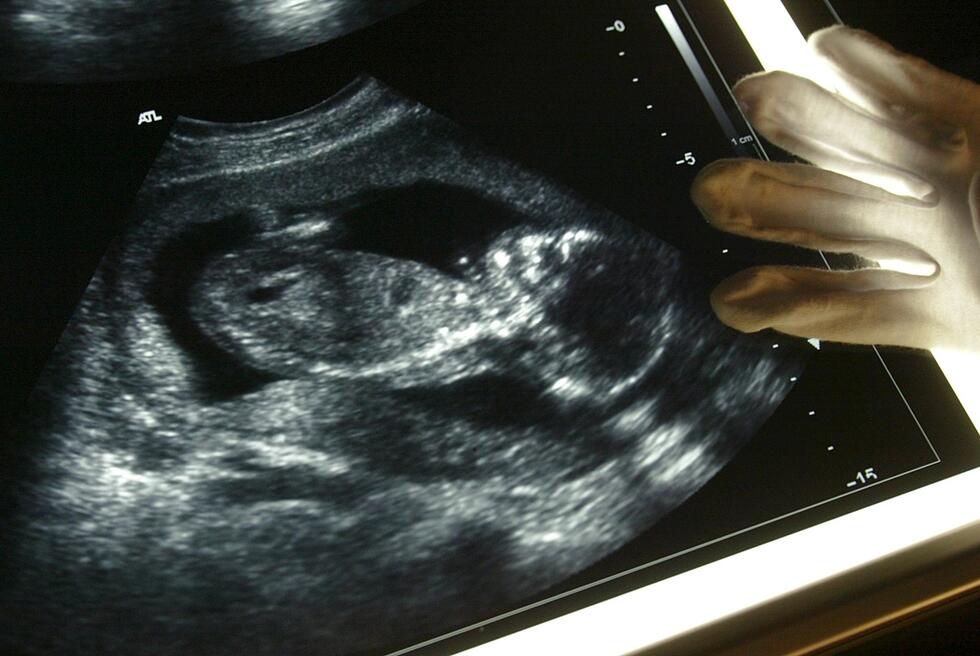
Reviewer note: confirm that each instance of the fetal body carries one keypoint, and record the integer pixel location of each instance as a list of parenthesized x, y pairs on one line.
[(350, 380)]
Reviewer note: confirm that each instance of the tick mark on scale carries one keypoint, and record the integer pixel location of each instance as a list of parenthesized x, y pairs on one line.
[(830, 448), (622, 53), (812, 412)]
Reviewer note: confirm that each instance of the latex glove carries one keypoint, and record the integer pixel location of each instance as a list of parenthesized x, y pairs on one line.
[(896, 122)]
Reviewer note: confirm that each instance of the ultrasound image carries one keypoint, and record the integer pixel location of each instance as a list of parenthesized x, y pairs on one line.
[(350, 380), (71, 41)]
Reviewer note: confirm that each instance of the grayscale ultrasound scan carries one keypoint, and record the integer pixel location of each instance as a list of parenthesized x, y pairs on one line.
[(348, 365), (400, 340), (71, 41)]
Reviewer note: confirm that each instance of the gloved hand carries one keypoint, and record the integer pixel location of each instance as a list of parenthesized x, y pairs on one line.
[(896, 123)]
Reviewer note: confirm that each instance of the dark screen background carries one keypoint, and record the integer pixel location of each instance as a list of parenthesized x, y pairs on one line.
[(544, 84)]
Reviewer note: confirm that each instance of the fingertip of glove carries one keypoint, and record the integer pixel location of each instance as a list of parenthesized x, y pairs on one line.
[(840, 39), (818, 40), (747, 92), (761, 96), (710, 183), (732, 300)]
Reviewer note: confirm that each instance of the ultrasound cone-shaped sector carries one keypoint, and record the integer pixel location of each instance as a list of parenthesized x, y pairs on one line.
[(350, 380)]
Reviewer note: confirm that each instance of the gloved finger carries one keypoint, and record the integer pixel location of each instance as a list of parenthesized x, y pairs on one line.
[(809, 207), (807, 120), (897, 84), (870, 306)]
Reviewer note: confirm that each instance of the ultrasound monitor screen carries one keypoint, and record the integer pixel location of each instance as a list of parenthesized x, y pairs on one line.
[(401, 341)]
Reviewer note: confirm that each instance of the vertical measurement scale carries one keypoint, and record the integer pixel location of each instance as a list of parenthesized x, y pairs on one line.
[(697, 72), (685, 50), (683, 46)]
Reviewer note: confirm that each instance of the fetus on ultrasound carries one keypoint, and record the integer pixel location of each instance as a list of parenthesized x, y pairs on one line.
[(349, 381)]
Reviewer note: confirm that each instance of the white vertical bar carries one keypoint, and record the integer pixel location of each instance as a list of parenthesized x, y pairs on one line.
[(776, 40)]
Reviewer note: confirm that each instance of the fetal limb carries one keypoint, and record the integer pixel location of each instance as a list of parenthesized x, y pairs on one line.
[(896, 180)]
